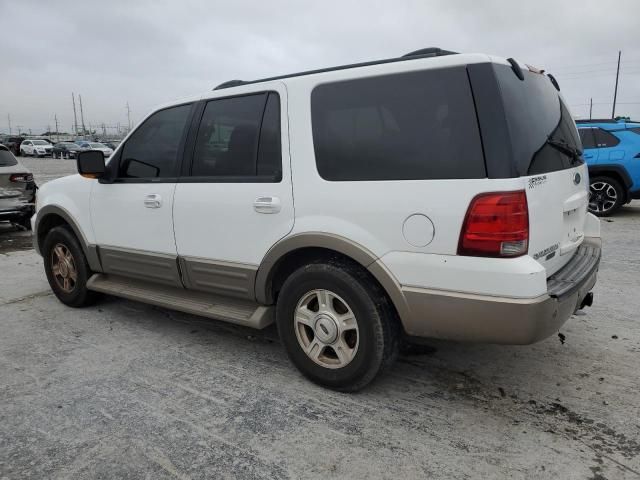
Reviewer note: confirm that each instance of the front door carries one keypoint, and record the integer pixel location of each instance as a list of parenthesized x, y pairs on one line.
[(132, 212), (236, 200), (609, 148)]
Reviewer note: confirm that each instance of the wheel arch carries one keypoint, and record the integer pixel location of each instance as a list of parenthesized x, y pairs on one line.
[(51, 216), (295, 250), (617, 172)]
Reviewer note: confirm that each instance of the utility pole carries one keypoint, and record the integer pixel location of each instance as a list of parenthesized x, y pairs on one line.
[(590, 107), (9, 119), (615, 92), (84, 129), (19, 127), (55, 116), (75, 116), (128, 118)]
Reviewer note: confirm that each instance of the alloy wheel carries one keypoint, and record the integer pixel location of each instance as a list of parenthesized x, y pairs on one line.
[(326, 328), (602, 197), (63, 267)]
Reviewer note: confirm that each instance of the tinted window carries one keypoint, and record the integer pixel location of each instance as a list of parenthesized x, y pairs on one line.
[(535, 113), (605, 139), (635, 130), (153, 149), (234, 141), (7, 159), (586, 136), (409, 126)]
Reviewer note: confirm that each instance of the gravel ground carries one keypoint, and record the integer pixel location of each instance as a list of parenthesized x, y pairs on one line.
[(126, 390)]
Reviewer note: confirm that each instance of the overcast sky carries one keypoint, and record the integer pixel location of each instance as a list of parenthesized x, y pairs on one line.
[(147, 53)]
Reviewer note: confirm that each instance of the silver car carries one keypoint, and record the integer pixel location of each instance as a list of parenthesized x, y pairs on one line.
[(17, 190)]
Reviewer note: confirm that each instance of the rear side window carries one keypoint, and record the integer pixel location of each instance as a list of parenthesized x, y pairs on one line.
[(605, 139), (239, 138), (409, 126), (152, 150), (7, 159), (587, 138)]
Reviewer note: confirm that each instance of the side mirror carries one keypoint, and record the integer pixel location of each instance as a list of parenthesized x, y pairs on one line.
[(91, 164)]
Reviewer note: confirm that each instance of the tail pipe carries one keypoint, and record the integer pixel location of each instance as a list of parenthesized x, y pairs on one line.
[(587, 301)]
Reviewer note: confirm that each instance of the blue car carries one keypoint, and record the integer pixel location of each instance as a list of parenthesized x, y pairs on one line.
[(612, 153)]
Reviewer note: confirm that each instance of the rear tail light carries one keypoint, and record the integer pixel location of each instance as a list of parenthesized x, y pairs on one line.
[(21, 177), (496, 225)]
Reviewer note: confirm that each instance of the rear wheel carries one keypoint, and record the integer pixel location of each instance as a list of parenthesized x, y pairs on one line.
[(606, 196), (66, 267), (337, 325)]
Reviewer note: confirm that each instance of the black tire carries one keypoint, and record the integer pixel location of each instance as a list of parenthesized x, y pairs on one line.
[(378, 328), (601, 197), (78, 296)]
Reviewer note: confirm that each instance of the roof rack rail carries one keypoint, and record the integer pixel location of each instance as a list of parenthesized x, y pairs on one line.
[(230, 83), (422, 53), (597, 120), (429, 52)]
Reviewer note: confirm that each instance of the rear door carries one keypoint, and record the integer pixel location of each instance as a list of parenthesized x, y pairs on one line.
[(555, 182), (589, 147), (609, 148), (235, 200)]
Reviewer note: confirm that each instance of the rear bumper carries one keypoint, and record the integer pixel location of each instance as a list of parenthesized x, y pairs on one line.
[(18, 211), (516, 321)]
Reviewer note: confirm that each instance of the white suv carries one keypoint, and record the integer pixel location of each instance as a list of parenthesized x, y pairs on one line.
[(36, 148), (434, 195)]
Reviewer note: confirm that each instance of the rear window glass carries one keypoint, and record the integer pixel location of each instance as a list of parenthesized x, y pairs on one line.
[(535, 113), (409, 126), (7, 159)]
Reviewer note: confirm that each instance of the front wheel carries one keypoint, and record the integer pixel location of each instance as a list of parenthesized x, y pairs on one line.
[(606, 196), (66, 267), (337, 325)]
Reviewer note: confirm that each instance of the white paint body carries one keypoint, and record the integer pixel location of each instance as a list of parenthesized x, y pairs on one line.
[(27, 147), (219, 220)]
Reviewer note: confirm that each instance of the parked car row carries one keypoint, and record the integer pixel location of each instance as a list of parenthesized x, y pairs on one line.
[(41, 148)]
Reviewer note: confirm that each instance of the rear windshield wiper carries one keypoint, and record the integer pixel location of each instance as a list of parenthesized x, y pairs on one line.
[(563, 147)]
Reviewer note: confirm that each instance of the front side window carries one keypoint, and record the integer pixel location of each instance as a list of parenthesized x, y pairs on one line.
[(153, 149), (605, 139), (240, 137), (409, 126)]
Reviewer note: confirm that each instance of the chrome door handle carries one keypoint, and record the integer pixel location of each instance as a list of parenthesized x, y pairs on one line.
[(267, 205), (153, 200)]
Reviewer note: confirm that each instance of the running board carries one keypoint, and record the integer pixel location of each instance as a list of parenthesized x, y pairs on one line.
[(240, 312)]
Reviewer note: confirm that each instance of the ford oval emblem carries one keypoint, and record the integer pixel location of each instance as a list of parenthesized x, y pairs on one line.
[(577, 178)]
